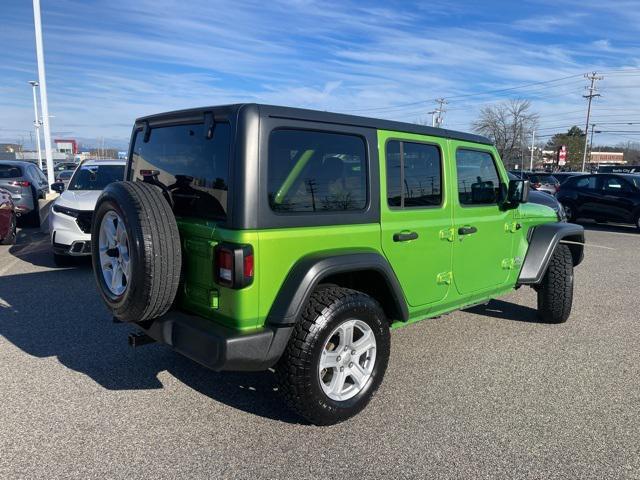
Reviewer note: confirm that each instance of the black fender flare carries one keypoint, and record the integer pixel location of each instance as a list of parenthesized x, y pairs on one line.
[(310, 270), (542, 242)]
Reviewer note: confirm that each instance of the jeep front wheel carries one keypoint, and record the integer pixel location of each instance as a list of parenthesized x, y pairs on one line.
[(555, 292), (336, 357)]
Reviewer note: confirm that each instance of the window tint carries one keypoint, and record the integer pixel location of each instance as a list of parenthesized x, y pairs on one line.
[(585, 183), (413, 174), (478, 180), (316, 171), (10, 171), (194, 169), (614, 184)]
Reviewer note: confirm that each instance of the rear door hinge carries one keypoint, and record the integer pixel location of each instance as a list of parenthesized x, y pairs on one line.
[(512, 227), (511, 263), (448, 234), (445, 278)]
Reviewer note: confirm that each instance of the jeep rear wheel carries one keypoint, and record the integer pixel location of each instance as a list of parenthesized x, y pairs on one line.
[(136, 255), (555, 292), (336, 357)]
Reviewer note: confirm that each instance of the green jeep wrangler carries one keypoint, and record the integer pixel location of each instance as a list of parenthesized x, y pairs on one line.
[(250, 236)]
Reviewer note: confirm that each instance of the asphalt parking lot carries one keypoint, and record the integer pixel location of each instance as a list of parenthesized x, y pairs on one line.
[(483, 393)]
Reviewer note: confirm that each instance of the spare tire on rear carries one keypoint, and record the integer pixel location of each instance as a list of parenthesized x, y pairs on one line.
[(135, 251)]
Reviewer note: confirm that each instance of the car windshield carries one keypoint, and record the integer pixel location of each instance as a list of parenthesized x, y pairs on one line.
[(96, 177), (10, 171)]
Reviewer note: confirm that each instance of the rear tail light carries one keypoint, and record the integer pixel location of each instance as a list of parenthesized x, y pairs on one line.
[(234, 265), (21, 183)]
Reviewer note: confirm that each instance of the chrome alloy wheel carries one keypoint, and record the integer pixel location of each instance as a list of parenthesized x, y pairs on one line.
[(113, 248), (347, 360)]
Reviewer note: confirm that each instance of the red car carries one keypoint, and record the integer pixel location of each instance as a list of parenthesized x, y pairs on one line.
[(7, 219)]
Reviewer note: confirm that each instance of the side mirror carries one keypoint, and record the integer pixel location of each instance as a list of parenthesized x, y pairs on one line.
[(518, 192), (57, 187)]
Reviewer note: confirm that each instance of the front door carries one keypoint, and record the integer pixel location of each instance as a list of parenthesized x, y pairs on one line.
[(416, 214), (483, 246)]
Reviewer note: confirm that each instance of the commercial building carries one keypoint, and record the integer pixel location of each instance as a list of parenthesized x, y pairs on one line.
[(68, 146), (608, 158)]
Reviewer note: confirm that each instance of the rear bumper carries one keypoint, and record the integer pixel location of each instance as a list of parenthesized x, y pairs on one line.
[(217, 347)]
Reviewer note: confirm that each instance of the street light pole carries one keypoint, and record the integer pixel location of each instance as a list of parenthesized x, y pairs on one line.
[(533, 143), (37, 121), (43, 91)]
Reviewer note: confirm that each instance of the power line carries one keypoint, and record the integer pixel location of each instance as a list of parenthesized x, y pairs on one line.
[(487, 92)]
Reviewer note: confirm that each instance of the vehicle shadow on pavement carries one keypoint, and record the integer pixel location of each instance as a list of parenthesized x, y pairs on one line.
[(507, 311), (32, 246), (58, 313)]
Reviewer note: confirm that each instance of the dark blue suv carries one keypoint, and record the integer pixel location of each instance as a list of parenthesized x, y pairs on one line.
[(602, 197)]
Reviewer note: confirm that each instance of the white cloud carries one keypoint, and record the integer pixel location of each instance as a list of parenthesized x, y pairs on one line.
[(109, 62)]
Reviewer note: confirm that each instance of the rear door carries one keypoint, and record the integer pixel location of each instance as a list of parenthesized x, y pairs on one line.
[(416, 214), (617, 199), (483, 247), (588, 197)]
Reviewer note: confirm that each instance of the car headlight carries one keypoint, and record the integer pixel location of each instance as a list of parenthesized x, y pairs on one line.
[(66, 211)]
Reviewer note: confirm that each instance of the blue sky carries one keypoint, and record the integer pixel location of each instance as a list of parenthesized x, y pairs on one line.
[(109, 62)]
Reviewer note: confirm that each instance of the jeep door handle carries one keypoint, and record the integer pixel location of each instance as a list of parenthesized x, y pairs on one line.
[(467, 230), (404, 236)]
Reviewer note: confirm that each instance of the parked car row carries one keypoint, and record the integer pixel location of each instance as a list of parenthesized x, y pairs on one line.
[(27, 184), (539, 180), (602, 197), (72, 211)]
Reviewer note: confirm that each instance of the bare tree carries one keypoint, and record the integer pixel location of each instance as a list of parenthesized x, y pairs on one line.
[(509, 125)]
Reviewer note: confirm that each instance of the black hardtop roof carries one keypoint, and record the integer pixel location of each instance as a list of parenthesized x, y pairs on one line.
[(322, 117)]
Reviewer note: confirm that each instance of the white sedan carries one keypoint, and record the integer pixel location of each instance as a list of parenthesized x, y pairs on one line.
[(72, 211)]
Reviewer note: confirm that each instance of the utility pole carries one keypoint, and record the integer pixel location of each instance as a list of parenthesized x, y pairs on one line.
[(43, 91), (433, 117), (593, 126), (37, 122), (533, 143), (593, 77), (439, 111)]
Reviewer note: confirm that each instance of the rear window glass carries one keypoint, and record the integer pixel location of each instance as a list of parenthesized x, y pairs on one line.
[(193, 168), (413, 174), (95, 177), (316, 171), (584, 182), (10, 171)]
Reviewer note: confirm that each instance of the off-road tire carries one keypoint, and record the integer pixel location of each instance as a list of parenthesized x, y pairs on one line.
[(10, 239), (555, 292), (154, 250), (297, 370)]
